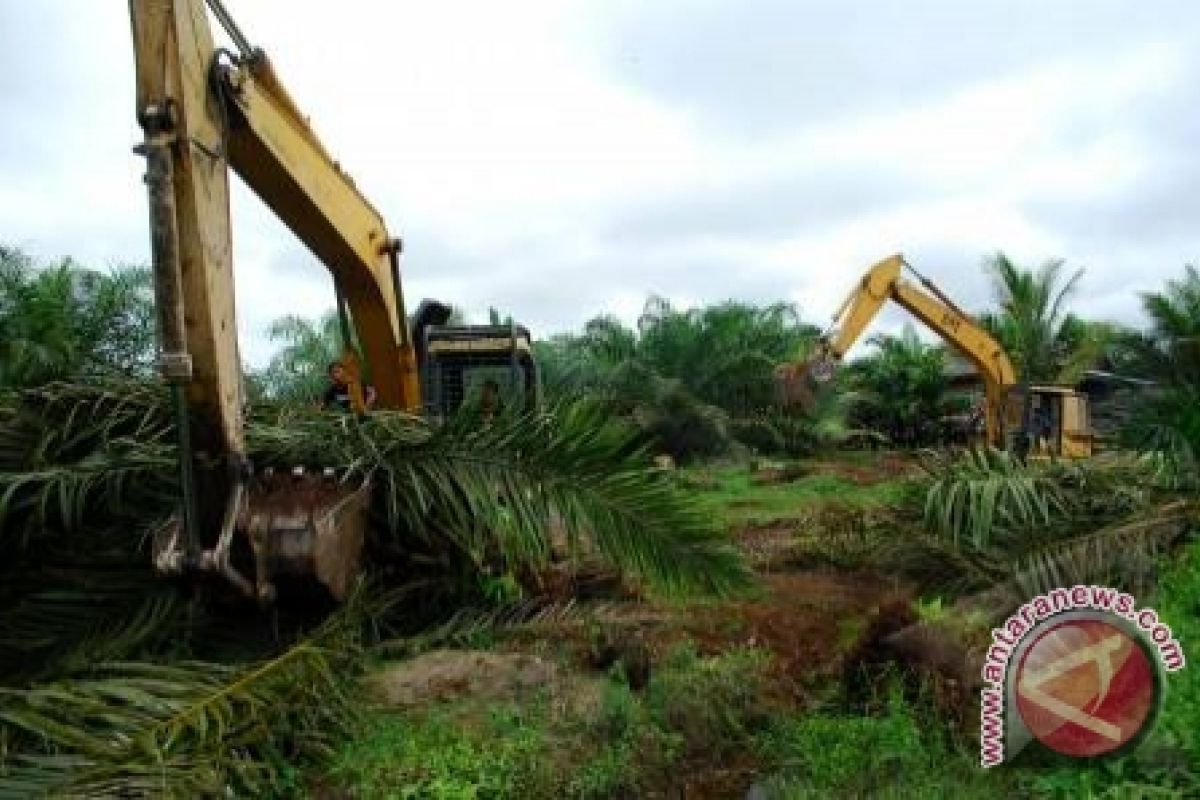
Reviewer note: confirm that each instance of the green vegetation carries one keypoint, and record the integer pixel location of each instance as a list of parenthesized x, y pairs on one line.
[(1169, 354), (896, 752), (298, 372), (693, 380), (435, 758), (740, 499), (623, 743), (65, 322), (85, 478), (1042, 524), (902, 390), (113, 683)]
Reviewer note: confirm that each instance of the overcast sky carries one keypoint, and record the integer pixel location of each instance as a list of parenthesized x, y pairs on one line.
[(559, 159)]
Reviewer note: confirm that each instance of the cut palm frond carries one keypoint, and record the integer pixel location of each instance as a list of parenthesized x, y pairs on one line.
[(496, 489), (935, 562), (482, 490), (78, 617), (989, 514), (469, 625), (185, 729), (180, 730), (75, 454), (1121, 553), (86, 470)]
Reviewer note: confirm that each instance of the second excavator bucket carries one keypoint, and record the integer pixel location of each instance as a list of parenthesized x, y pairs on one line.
[(797, 384)]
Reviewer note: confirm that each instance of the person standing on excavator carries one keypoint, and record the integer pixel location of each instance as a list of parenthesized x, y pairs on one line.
[(337, 395)]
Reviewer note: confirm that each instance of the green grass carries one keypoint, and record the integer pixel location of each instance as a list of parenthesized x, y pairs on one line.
[(433, 756), (710, 710), (740, 501), (893, 754), (624, 746)]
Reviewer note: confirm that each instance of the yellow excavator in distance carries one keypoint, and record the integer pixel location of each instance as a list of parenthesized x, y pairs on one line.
[(1005, 422), (203, 111)]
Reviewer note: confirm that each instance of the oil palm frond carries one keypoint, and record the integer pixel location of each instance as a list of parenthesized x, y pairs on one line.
[(1117, 554), (184, 729), (103, 452), (180, 730), (72, 453), (88, 615), (469, 625), (123, 477), (984, 495), (498, 489), (936, 563)]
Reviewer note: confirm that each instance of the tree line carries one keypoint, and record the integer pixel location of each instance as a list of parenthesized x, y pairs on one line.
[(697, 381)]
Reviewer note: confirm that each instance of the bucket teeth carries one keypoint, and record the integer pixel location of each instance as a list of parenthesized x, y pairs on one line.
[(306, 526)]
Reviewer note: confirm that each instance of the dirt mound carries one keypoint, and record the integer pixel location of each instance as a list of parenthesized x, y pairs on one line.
[(450, 674), (884, 467), (768, 545), (774, 474), (828, 534)]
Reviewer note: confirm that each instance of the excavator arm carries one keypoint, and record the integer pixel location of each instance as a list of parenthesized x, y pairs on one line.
[(927, 303), (211, 110), (204, 111)]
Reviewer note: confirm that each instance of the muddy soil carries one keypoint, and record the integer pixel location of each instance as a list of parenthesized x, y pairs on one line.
[(808, 621), (825, 628), (887, 467)]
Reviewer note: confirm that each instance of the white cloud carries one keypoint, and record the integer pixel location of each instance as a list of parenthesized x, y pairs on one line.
[(544, 158)]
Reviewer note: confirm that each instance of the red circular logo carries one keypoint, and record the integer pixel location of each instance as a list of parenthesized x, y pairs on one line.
[(1085, 688)]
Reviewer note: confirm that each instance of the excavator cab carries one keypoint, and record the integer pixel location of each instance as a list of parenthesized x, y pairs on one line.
[(460, 361), (1059, 423)]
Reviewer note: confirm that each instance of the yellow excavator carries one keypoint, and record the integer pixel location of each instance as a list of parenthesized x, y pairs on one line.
[(206, 110), (1062, 427)]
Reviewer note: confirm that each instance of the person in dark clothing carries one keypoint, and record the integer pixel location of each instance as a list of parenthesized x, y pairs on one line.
[(489, 400), (337, 396), (1043, 428)]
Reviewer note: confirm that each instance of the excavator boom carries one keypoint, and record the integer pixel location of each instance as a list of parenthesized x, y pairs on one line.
[(205, 111), (1065, 427), (216, 110), (883, 282)]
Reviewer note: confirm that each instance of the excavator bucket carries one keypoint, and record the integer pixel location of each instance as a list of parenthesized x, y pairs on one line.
[(299, 530), (797, 384), (305, 527)]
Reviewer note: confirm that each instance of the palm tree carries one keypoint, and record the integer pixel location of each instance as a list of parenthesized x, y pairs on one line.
[(726, 353), (67, 322), (901, 387), (684, 375), (1169, 354), (1045, 342), (1171, 349), (1041, 337), (297, 372)]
